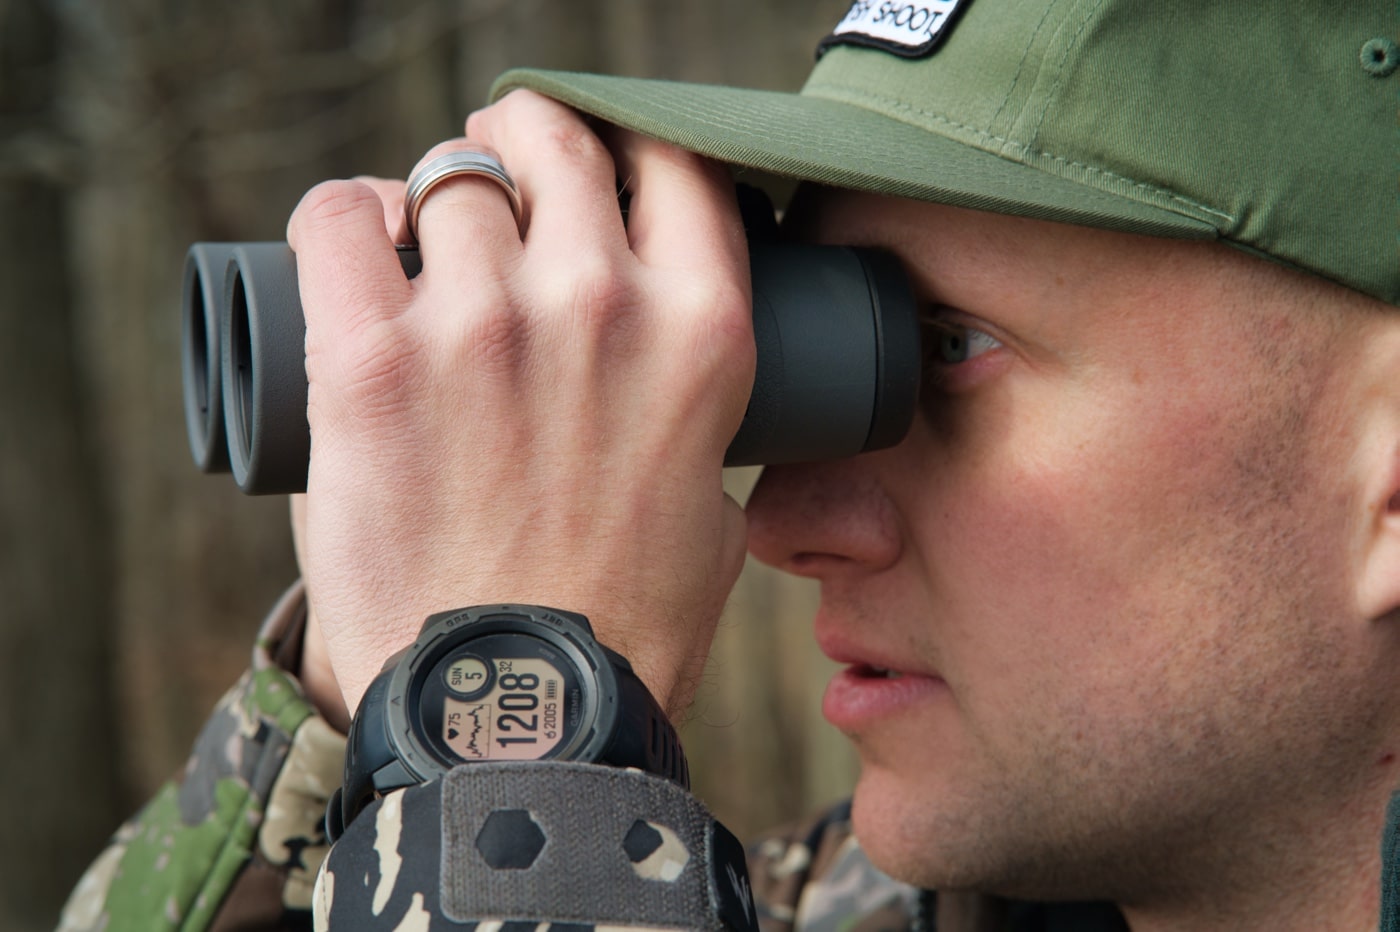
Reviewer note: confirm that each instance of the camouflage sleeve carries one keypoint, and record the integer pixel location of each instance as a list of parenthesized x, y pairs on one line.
[(233, 841), (814, 877)]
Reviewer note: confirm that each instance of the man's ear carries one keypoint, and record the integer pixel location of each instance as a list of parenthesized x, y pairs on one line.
[(1379, 589), (1379, 458)]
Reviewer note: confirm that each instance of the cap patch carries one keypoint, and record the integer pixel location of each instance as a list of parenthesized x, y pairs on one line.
[(907, 29)]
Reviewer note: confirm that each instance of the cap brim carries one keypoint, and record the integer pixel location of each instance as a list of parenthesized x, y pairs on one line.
[(836, 143)]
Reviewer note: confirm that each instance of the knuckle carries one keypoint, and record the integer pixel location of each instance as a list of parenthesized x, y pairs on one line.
[(570, 139), (497, 338), (602, 295), (330, 203), (514, 103), (479, 121), (369, 371), (538, 122), (590, 291), (721, 324), (725, 307)]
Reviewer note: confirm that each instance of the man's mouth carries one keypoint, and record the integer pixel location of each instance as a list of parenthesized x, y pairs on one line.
[(878, 673), (865, 695)]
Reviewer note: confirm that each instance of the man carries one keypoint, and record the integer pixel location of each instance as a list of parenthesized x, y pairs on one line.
[(1119, 615)]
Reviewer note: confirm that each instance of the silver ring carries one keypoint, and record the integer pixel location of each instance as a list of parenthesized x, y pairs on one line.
[(465, 162)]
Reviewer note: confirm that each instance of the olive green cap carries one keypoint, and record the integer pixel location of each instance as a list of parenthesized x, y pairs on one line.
[(1270, 124)]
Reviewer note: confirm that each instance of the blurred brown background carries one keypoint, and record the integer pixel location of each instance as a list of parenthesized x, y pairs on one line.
[(130, 585)]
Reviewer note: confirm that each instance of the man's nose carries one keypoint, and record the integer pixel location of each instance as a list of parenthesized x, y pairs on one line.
[(814, 519)]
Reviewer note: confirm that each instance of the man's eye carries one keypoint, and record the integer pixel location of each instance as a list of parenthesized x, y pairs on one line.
[(952, 343)]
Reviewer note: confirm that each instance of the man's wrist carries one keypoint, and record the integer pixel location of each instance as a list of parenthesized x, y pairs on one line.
[(501, 682), (318, 677)]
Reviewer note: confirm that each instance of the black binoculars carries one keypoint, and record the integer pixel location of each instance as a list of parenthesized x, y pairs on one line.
[(836, 329)]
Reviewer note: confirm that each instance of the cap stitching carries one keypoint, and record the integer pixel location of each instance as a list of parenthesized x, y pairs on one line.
[(1060, 69), (1172, 195), (1005, 143), (1021, 65)]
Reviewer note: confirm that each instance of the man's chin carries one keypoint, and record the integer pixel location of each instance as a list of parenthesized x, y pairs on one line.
[(918, 839), (896, 832), (911, 833)]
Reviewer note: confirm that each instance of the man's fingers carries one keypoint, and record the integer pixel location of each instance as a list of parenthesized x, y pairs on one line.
[(666, 183), (390, 191), (346, 264), (464, 221), (353, 291), (565, 173), (684, 227)]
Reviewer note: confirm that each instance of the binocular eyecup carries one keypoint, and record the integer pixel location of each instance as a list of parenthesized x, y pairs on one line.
[(836, 329)]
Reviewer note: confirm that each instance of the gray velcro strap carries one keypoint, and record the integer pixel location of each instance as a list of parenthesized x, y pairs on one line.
[(586, 844)]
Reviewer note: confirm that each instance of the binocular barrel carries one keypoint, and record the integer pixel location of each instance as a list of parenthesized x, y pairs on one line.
[(836, 328)]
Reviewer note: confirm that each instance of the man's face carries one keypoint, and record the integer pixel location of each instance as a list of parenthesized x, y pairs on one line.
[(1113, 564)]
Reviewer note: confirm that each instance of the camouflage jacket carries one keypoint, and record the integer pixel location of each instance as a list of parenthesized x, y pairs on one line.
[(236, 841)]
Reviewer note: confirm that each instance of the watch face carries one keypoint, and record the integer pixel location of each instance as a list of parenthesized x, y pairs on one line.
[(503, 696)]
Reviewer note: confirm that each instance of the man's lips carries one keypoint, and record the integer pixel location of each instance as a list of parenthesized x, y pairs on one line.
[(861, 698), (867, 672), (859, 651), (876, 685)]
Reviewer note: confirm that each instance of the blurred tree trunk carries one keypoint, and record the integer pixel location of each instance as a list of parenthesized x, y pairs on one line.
[(180, 139), (56, 720), (132, 585)]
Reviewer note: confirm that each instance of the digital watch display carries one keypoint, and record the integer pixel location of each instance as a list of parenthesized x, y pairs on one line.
[(500, 683), (508, 697)]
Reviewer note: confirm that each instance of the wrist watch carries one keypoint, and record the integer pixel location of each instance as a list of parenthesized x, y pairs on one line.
[(500, 683)]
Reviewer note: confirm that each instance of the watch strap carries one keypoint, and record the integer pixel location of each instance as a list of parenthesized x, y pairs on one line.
[(643, 737), (371, 766), (539, 842)]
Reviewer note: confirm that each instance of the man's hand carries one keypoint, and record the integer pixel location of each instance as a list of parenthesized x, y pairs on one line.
[(533, 420)]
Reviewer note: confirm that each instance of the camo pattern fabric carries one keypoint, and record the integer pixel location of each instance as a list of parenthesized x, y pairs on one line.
[(589, 848), (233, 841), (816, 878)]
